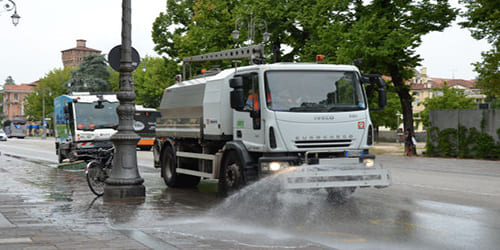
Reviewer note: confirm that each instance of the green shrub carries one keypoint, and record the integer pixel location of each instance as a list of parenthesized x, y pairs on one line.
[(467, 143), (463, 143), (447, 142), (431, 148), (483, 145)]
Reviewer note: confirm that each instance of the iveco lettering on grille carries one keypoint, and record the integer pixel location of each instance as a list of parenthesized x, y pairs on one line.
[(322, 118)]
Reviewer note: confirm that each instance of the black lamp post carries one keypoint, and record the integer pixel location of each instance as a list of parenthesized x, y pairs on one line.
[(124, 180), (10, 5), (251, 28)]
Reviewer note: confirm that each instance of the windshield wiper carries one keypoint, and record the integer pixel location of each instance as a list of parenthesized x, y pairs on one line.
[(342, 109), (310, 106)]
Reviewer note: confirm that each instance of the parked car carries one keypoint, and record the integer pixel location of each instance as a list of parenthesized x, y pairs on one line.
[(3, 136)]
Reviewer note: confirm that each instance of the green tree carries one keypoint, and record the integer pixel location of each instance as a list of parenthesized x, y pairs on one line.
[(49, 87), (483, 20), (450, 98), (193, 27), (9, 81), (386, 33), (92, 75), (150, 85)]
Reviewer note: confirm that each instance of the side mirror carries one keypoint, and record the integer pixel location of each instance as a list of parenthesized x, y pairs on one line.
[(237, 95), (379, 82), (236, 82), (382, 98), (237, 99)]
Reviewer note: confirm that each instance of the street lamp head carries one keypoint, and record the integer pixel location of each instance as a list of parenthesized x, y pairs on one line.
[(266, 36), (236, 34), (15, 18), (143, 67)]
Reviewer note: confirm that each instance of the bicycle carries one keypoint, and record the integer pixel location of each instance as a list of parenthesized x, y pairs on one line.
[(99, 169)]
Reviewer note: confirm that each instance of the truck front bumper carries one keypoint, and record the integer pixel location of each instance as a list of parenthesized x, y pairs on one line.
[(337, 175)]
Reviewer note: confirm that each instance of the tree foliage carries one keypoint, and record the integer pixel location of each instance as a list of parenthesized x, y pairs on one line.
[(91, 76), (150, 84), (9, 81), (451, 98), (49, 87), (483, 20)]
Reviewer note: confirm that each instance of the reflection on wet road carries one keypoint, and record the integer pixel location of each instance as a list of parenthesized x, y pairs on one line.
[(260, 216)]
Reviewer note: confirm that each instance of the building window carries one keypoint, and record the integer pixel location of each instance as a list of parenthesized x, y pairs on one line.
[(16, 98)]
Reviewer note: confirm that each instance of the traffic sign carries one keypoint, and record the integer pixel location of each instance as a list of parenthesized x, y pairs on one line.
[(115, 55)]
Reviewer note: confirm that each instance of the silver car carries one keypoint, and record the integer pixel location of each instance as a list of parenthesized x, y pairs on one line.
[(3, 136)]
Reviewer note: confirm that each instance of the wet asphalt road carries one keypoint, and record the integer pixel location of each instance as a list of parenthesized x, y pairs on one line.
[(433, 204)]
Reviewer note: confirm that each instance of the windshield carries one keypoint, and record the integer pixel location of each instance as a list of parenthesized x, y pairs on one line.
[(314, 91), (88, 117)]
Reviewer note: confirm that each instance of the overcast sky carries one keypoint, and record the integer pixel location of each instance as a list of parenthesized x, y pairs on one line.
[(33, 48)]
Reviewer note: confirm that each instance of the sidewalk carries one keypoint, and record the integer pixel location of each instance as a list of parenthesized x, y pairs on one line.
[(20, 228), (45, 212), (393, 148)]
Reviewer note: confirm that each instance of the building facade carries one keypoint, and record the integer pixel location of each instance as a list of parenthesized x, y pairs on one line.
[(74, 56), (14, 100), (423, 87)]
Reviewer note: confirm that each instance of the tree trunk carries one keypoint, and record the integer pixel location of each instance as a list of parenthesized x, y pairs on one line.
[(405, 99), (276, 51)]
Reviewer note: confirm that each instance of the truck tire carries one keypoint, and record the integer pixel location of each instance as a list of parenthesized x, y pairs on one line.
[(60, 156), (169, 173), (340, 195), (231, 174)]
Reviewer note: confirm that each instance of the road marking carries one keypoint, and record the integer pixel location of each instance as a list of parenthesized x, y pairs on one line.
[(402, 225), (4, 222), (448, 189), (338, 236), (147, 240), (15, 240)]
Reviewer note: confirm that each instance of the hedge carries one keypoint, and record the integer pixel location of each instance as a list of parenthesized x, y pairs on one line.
[(466, 143)]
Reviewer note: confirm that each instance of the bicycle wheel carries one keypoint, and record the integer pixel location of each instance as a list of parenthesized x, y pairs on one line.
[(96, 177)]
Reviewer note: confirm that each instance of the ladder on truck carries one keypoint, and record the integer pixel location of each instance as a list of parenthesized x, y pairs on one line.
[(254, 53)]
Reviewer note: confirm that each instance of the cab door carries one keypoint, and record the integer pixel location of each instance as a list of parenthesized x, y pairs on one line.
[(248, 122)]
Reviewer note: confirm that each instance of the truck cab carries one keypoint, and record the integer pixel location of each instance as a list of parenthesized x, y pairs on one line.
[(84, 122)]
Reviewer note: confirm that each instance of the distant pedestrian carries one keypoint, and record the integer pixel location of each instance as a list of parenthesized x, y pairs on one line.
[(409, 142)]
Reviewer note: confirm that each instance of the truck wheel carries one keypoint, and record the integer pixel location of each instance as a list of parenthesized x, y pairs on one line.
[(169, 173), (60, 156), (231, 174), (340, 194), (168, 167)]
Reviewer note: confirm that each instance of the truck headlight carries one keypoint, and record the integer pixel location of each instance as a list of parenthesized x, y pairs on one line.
[(274, 166), (369, 162)]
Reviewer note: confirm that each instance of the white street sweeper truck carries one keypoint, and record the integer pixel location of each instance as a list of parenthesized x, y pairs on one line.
[(241, 124)]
